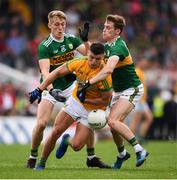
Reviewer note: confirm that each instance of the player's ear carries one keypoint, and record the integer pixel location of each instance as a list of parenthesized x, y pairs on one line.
[(118, 31)]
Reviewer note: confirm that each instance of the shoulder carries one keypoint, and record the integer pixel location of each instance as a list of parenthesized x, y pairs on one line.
[(121, 43), (46, 42), (70, 36)]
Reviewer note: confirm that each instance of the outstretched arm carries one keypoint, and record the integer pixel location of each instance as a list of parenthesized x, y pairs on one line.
[(37, 93), (106, 71), (60, 71)]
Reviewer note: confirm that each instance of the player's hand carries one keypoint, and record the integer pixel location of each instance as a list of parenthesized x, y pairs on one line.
[(82, 91), (83, 33), (56, 93), (35, 95)]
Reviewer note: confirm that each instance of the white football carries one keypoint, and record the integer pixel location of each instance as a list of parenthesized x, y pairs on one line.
[(97, 119)]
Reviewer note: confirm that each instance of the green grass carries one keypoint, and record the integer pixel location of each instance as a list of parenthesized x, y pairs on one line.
[(161, 163)]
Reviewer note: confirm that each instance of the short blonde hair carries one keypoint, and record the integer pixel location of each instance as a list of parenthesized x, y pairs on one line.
[(118, 21), (57, 13)]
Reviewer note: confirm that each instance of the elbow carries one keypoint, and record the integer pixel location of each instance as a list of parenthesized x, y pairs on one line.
[(109, 71)]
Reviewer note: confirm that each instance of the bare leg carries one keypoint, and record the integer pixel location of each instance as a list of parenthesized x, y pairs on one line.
[(62, 122), (91, 140), (80, 138), (117, 114), (43, 115)]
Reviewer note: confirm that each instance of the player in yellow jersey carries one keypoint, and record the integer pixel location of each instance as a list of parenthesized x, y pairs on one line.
[(96, 97), (55, 50), (142, 116)]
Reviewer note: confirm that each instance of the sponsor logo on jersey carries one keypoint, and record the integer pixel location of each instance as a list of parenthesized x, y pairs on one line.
[(58, 60)]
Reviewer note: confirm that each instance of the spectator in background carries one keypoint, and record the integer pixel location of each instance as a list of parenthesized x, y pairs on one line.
[(170, 116), (17, 42), (8, 99), (6, 56)]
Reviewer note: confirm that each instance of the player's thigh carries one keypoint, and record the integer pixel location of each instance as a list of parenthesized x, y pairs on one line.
[(82, 134), (120, 109), (63, 121), (44, 110)]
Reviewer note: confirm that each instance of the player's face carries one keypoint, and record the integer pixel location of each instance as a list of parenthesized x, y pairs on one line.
[(57, 26), (95, 60), (109, 32)]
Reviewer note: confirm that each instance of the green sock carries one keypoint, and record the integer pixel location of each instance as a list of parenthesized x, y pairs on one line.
[(133, 141), (90, 151), (34, 152), (42, 162)]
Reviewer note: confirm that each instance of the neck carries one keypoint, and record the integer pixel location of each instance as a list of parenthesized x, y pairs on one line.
[(57, 38), (113, 39)]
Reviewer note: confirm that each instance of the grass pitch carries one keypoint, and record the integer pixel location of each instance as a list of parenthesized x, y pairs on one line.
[(160, 164)]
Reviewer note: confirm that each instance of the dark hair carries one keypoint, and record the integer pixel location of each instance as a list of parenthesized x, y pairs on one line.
[(97, 48)]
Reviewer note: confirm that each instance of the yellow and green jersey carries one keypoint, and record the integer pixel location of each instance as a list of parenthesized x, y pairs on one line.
[(59, 52), (83, 73), (124, 75)]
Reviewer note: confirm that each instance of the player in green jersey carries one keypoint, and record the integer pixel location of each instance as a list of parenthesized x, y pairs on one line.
[(54, 51), (127, 88)]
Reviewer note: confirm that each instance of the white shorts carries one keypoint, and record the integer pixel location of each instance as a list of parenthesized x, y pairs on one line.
[(77, 111), (131, 94), (66, 93)]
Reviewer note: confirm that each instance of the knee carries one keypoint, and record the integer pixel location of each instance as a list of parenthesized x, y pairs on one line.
[(77, 146), (41, 126), (112, 123), (56, 132)]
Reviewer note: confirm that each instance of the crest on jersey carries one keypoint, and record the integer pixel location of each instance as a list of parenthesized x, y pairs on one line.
[(63, 49), (70, 46)]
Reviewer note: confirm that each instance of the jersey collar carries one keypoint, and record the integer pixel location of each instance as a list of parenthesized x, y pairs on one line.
[(112, 43), (56, 39)]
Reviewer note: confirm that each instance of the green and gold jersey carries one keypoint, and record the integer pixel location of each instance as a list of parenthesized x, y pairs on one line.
[(59, 52), (124, 75), (84, 72)]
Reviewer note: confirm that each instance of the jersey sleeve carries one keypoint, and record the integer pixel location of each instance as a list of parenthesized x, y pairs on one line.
[(43, 52), (76, 41), (105, 85), (121, 51), (117, 51)]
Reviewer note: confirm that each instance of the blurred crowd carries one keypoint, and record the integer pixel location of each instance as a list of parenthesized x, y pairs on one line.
[(151, 33)]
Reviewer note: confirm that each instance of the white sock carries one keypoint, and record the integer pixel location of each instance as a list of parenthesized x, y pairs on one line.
[(91, 157), (32, 157), (138, 148), (123, 153)]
